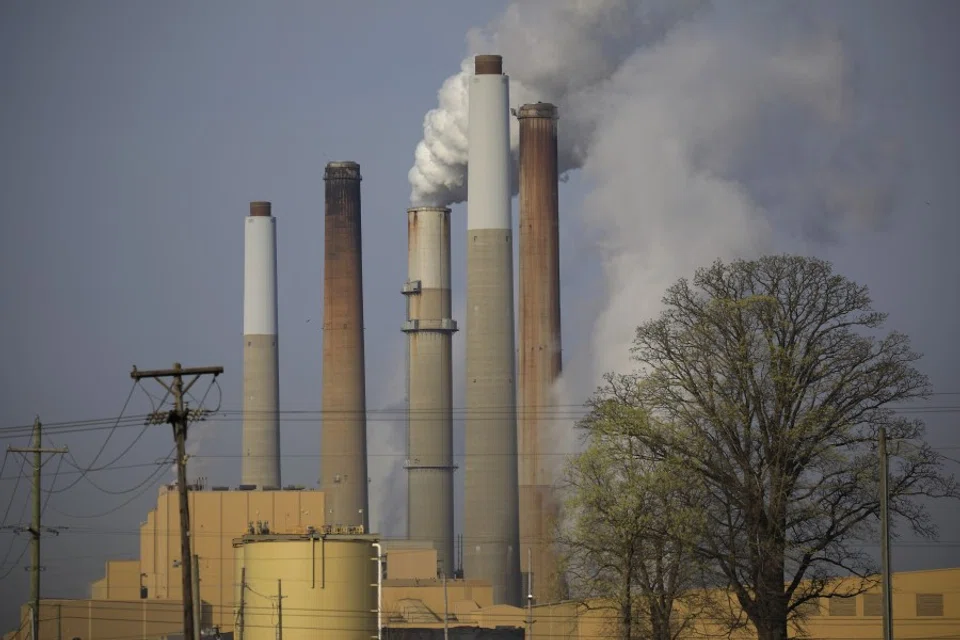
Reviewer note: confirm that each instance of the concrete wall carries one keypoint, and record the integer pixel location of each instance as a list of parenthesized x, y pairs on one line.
[(846, 619), (917, 597), (103, 619), (915, 594), (411, 564), (463, 597), (120, 581)]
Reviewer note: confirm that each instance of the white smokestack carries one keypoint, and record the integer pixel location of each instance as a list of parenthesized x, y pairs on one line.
[(261, 381), (491, 523)]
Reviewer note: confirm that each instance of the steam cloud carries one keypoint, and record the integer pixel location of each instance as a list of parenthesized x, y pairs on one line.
[(702, 130)]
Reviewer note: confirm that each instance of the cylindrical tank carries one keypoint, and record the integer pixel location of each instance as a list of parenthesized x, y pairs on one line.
[(261, 369), (491, 547), (539, 350), (429, 329), (307, 587), (343, 462)]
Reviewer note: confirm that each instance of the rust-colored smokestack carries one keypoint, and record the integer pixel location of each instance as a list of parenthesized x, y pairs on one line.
[(539, 347), (343, 460)]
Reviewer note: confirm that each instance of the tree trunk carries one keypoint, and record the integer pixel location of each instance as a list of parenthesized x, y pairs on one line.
[(626, 615), (770, 617), (660, 628), (771, 629), (660, 610)]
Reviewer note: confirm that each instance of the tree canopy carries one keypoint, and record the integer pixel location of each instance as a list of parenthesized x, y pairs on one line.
[(767, 382), (633, 534)]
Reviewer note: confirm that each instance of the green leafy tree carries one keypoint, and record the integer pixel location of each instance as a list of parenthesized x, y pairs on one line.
[(768, 381), (629, 542)]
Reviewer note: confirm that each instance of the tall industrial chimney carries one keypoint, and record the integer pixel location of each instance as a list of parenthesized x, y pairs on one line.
[(343, 459), (261, 369), (429, 329), (539, 349), (491, 547)]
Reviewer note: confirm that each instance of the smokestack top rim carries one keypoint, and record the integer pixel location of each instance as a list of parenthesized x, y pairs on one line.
[(428, 208), (488, 64), (261, 209), (342, 170), (537, 110)]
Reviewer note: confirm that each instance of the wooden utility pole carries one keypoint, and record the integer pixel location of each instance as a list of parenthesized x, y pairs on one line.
[(37, 450), (446, 614), (885, 538), (243, 592), (280, 609), (529, 592), (197, 610), (179, 418)]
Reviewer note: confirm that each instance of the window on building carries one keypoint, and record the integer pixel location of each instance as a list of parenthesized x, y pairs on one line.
[(843, 606), (929, 604), (873, 604), (809, 608)]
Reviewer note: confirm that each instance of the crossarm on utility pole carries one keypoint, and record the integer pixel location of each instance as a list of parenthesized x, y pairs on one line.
[(136, 374)]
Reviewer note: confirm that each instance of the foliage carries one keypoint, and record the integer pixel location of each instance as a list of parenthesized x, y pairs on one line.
[(631, 540), (768, 381)]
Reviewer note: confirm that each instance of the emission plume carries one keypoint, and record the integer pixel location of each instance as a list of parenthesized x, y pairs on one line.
[(702, 130)]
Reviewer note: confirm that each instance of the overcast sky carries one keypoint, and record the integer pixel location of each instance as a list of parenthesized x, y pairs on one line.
[(134, 135)]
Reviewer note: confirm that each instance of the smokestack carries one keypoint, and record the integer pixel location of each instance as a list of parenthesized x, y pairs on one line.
[(539, 349), (343, 459), (261, 368), (491, 528), (429, 330)]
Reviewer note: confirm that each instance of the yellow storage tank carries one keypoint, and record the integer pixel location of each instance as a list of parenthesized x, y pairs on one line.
[(308, 587)]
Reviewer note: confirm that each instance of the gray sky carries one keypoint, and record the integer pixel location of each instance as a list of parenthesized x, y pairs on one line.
[(133, 135)]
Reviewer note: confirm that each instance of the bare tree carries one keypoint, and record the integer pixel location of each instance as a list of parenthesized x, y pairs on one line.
[(768, 380), (629, 539)]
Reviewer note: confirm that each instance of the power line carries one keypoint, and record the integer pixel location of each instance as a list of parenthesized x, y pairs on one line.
[(143, 486), (558, 409)]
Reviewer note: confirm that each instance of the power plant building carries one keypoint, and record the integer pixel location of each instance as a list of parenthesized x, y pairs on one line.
[(343, 456), (539, 351), (491, 537), (429, 329), (260, 465)]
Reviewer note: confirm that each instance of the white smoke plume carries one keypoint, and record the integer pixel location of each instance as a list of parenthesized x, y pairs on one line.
[(386, 445), (703, 131)]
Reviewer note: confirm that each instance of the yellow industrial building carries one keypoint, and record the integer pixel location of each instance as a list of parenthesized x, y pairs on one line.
[(268, 561)]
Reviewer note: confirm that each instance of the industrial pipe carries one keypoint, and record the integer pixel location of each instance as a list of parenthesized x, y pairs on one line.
[(379, 589)]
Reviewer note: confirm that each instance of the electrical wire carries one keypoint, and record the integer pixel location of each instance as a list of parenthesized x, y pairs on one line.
[(43, 510), (6, 454), (554, 411), (103, 447), (23, 511), (23, 462), (143, 486)]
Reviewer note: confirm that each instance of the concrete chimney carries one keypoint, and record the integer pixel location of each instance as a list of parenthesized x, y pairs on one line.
[(261, 370), (491, 548), (343, 459), (539, 349), (429, 330)]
